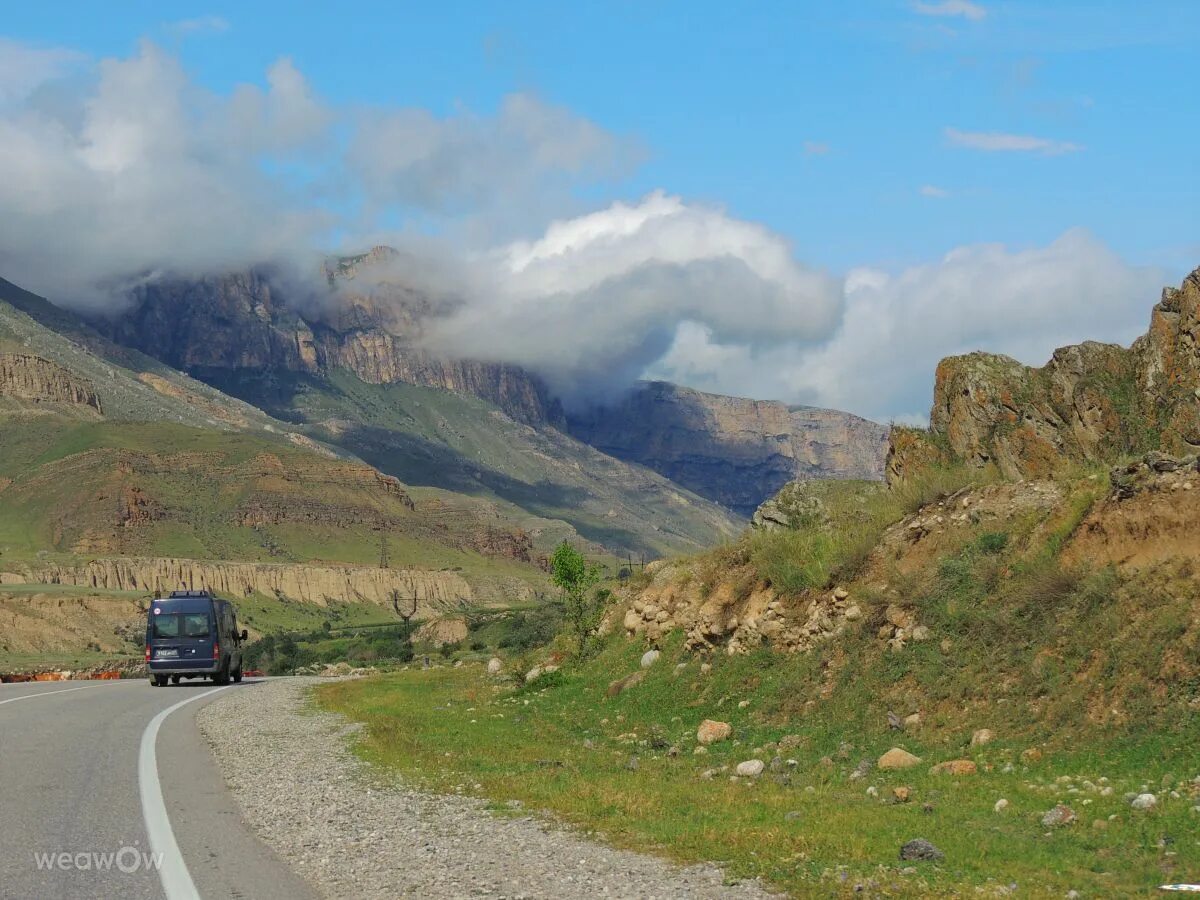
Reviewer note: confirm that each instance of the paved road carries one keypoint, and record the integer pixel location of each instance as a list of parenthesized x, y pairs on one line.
[(95, 782)]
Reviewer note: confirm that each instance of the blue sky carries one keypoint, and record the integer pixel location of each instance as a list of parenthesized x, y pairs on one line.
[(876, 134)]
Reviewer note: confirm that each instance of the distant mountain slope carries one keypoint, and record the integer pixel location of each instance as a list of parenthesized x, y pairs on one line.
[(107, 453), (351, 375), (737, 452)]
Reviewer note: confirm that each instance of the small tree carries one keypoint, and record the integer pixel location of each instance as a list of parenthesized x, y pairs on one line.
[(583, 607)]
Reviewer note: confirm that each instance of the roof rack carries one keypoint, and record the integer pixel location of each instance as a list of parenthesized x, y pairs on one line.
[(179, 594)]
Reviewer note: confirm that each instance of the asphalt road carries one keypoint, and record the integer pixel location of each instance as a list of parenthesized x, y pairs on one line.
[(107, 789)]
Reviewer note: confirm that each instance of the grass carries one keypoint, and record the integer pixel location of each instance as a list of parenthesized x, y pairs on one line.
[(834, 544), (565, 751)]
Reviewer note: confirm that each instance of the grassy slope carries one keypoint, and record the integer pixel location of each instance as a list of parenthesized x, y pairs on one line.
[(1095, 670), (445, 440)]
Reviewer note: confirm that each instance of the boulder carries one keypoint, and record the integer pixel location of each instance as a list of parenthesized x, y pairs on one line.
[(898, 758), (710, 731), (1059, 816), (495, 666), (920, 849), (982, 736), (750, 768), (1144, 802), (649, 658)]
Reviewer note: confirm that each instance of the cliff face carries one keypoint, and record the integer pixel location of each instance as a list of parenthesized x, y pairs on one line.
[(734, 451), (25, 377), (437, 592), (242, 320), (1090, 402)]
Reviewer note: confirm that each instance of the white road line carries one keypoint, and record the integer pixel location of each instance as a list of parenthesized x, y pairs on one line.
[(48, 693), (176, 880)]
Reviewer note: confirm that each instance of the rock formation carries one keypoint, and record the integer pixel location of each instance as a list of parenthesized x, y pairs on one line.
[(245, 321), (25, 377), (1091, 402), (437, 591), (734, 451)]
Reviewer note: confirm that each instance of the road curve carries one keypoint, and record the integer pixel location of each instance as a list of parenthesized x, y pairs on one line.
[(94, 803)]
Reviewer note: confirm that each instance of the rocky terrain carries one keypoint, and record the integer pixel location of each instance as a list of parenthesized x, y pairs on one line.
[(1092, 402), (25, 377), (735, 451)]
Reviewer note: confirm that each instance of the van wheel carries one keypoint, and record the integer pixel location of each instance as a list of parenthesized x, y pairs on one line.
[(159, 680), (237, 675), (174, 679), (222, 677)]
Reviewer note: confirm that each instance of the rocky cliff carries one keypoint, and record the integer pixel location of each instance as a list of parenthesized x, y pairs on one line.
[(437, 591), (25, 377), (734, 451), (248, 320), (1090, 402)]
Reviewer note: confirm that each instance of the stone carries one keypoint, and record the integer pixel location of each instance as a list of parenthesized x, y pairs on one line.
[(1059, 816), (1032, 755), (920, 633), (840, 593), (901, 794), (710, 731), (982, 736), (862, 769), (705, 668), (649, 658), (912, 721), (700, 750), (1144, 802), (495, 666), (742, 704), (898, 616), (872, 791), (954, 767), (920, 849), (750, 768), (618, 687), (898, 758), (632, 620), (1001, 805), (853, 613), (679, 668)]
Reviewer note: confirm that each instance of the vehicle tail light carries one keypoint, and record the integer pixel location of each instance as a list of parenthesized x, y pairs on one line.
[(147, 653), (216, 650)]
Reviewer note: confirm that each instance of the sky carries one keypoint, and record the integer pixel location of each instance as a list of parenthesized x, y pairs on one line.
[(808, 202)]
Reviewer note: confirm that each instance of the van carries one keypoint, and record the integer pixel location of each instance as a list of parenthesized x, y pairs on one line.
[(193, 634)]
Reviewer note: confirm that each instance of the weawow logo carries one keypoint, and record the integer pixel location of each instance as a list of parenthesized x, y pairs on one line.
[(127, 860)]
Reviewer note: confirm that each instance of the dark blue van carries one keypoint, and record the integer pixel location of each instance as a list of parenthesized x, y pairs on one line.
[(193, 634)]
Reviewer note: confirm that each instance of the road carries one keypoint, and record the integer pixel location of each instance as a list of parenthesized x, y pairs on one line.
[(107, 789)]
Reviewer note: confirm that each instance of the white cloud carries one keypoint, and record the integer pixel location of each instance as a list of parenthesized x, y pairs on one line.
[(199, 25), (996, 141), (951, 8), (895, 329), (24, 67), (598, 298), (932, 190)]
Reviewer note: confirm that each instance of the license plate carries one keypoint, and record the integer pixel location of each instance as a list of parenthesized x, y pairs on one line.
[(167, 653)]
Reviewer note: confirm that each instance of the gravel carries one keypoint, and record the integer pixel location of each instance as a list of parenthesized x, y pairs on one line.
[(350, 830)]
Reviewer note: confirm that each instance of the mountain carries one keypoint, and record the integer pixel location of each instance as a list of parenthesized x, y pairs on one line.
[(351, 376), (734, 451), (1091, 402), (109, 454)]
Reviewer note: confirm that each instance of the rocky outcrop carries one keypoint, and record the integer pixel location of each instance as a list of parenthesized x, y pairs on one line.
[(437, 591), (737, 452), (1090, 402), (802, 503), (25, 377), (251, 321)]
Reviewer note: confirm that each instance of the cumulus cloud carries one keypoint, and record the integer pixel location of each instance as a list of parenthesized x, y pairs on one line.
[(23, 68), (932, 190), (999, 142), (136, 169), (951, 8), (896, 327), (598, 298)]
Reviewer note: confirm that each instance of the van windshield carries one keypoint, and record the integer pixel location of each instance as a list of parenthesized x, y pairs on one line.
[(174, 625)]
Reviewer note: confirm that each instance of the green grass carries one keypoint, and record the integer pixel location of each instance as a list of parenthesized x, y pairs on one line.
[(455, 729), (835, 544)]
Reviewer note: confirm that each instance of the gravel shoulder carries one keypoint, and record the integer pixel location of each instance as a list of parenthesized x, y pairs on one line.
[(350, 830)]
